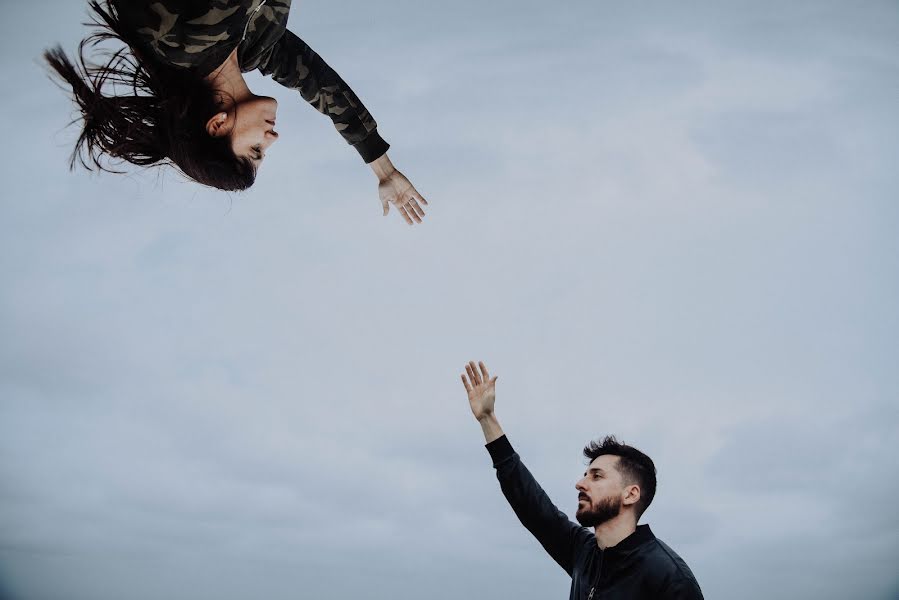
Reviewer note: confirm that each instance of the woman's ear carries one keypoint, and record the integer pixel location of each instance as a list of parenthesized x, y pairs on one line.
[(219, 125)]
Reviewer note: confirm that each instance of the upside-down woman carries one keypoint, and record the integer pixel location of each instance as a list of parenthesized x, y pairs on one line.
[(175, 94)]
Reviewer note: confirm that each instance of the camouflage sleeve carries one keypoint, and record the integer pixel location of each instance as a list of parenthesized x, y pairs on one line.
[(293, 64)]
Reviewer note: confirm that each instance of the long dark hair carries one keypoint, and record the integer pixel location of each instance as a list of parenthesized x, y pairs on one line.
[(160, 119)]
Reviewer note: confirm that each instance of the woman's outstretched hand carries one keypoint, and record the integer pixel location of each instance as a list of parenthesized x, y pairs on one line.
[(394, 188)]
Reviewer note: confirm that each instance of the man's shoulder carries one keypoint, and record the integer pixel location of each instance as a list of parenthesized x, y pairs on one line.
[(665, 567)]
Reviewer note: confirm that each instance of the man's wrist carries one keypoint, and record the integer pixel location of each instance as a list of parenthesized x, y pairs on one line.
[(486, 415), (490, 426)]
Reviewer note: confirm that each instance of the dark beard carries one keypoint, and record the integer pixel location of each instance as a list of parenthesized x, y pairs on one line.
[(606, 509)]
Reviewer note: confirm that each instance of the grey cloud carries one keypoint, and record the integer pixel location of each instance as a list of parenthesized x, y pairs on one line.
[(674, 223)]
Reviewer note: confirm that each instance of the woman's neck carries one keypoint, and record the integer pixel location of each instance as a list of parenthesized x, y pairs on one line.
[(228, 83)]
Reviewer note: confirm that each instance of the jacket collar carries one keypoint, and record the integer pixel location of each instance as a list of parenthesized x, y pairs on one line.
[(639, 537)]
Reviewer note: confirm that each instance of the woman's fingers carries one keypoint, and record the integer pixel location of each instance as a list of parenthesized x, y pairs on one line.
[(402, 210), (413, 203), (413, 213)]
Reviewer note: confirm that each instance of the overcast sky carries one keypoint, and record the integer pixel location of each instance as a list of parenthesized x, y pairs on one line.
[(676, 224)]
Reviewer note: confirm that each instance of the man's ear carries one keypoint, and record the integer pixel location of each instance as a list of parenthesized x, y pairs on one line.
[(219, 125), (631, 495)]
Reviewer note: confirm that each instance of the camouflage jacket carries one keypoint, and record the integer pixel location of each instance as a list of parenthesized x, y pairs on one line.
[(201, 34)]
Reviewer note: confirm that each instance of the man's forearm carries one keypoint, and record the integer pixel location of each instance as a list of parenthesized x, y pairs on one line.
[(490, 427)]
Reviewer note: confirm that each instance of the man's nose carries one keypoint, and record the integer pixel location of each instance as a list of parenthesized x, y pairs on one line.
[(579, 486)]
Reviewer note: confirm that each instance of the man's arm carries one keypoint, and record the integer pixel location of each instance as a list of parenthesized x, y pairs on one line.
[(556, 533)]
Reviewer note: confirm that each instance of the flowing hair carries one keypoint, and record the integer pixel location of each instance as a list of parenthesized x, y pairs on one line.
[(144, 112)]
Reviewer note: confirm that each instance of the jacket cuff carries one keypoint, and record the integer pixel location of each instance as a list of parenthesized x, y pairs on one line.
[(500, 449), (372, 147)]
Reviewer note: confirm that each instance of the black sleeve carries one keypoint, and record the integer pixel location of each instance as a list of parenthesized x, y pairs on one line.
[(556, 533)]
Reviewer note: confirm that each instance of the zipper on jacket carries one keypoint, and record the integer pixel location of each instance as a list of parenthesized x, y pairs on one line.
[(247, 26), (596, 581)]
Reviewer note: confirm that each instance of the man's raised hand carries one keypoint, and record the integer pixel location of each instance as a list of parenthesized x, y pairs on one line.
[(481, 389), (481, 397)]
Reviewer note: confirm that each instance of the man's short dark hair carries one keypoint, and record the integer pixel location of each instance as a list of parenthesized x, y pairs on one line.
[(635, 467)]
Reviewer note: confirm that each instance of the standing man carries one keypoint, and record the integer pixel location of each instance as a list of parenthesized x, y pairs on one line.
[(619, 560)]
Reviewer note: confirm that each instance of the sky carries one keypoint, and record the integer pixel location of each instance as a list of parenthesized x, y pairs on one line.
[(674, 223)]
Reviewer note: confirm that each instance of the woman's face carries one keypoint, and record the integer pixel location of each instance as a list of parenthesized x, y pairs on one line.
[(254, 128), (250, 125)]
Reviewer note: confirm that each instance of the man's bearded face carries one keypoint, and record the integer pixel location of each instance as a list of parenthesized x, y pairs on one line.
[(599, 492), (593, 514)]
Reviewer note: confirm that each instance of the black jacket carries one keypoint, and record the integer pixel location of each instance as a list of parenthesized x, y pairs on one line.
[(640, 566)]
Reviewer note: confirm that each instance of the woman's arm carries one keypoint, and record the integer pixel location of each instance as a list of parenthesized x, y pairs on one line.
[(293, 64)]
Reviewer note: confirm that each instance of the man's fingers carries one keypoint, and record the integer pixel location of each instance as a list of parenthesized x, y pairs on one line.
[(406, 216), (473, 373), (386, 207), (493, 381), (484, 371), (466, 384)]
